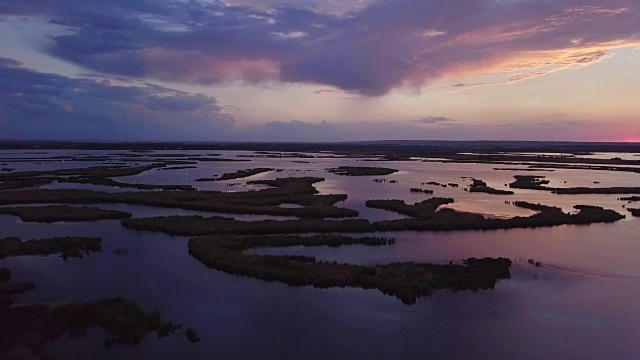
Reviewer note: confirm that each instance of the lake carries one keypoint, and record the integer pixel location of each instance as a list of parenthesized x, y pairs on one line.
[(582, 303)]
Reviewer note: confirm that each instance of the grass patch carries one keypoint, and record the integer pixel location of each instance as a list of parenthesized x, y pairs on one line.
[(48, 214), (26, 329), (198, 225), (67, 246), (11, 288), (92, 172), (99, 175), (7, 288), (111, 182), (24, 183), (606, 190)]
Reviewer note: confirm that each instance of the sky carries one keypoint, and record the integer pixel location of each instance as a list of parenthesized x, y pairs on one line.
[(320, 70)]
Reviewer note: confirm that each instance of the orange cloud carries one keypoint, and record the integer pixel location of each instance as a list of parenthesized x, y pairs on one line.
[(533, 64)]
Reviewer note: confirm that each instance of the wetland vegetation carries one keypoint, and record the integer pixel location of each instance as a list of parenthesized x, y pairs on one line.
[(634, 212), (228, 245), (427, 217), (421, 209), (69, 246), (8, 288), (198, 225), (420, 190), (361, 171), (298, 191), (406, 281), (26, 329), (237, 175), (99, 175), (55, 213), (532, 182), (482, 187)]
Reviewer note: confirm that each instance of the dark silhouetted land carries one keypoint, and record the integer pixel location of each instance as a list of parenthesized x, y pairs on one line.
[(298, 191), (406, 281), (237, 175), (67, 246), (361, 171), (56, 213), (27, 329), (539, 183), (482, 187)]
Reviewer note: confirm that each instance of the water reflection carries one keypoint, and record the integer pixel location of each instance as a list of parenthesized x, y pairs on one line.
[(581, 304)]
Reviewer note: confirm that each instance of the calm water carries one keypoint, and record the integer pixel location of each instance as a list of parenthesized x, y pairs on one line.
[(584, 303)]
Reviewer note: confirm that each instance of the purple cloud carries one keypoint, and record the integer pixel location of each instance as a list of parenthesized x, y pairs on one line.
[(370, 49), (49, 106), (37, 105)]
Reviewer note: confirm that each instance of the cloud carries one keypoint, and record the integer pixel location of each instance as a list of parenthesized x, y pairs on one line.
[(182, 103), (329, 91), (429, 120), (38, 105), (321, 6), (368, 47), (49, 106), (301, 131), (6, 62)]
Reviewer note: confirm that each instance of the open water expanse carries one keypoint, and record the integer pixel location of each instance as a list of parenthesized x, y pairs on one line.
[(583, 303)]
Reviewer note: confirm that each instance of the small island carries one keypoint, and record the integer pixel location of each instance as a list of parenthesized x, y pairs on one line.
[(27, 329), (420, 190), (361, 171), (480, 186), (530, 182), (539, 183), (237, 175), (421, 209), (634, 212), (426, 218), (227, 253)]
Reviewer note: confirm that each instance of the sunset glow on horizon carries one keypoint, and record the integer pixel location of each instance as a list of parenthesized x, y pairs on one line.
[(294, 70)]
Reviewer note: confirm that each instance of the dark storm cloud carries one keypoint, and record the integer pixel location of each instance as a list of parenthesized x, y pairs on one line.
[(41, 105), (384, 45)]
